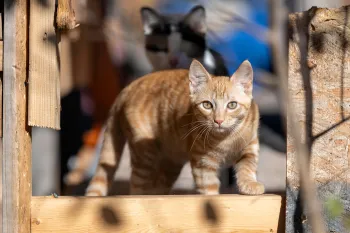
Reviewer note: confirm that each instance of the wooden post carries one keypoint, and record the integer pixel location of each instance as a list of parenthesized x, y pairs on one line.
[(1, 74), (319, 85), (17, 137), (1, 67)]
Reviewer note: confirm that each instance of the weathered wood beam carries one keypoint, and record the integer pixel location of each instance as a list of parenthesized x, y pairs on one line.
[(319, 64), (16, 172), (1, 70), (186, 213)]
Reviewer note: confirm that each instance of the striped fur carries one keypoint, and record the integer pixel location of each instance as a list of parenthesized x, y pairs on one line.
[(166, 120)]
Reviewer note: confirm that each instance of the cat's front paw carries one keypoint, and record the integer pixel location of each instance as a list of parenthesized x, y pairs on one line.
[(252, 188)]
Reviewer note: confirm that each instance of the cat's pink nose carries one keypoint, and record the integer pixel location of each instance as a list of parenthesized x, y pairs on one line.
[(219, 122), (173, 62)]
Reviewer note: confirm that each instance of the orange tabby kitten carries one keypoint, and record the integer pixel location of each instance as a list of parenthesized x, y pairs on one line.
[(174, 116)]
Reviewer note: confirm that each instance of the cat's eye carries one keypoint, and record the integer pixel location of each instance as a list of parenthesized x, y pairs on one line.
[(232, 105), (207, 105)]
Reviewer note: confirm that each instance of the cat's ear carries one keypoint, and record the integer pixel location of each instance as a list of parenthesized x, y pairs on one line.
[(198, 75), (244, 77), (196, 20), (149, 18)]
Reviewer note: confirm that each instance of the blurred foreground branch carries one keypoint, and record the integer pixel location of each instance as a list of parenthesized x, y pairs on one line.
[(280, 59), (65, 17)]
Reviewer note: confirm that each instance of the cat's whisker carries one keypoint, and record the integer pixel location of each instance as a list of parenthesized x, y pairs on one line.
[(193, 123), (237, 133), (200, 133), (207, 134), (198, 124), (193, 129), (203, 133), (209, 138)]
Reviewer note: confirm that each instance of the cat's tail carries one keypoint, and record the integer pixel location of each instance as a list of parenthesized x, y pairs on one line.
[(110, 156)]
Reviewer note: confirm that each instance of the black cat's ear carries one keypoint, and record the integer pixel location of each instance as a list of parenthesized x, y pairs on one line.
[(244, 77), (150, 18), (196, 20), (198, 75)]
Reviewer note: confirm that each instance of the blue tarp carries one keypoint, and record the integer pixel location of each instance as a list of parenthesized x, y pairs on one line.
[(239, 45)]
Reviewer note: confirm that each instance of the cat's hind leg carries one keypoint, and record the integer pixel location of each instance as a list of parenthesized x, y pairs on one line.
[(143, 156), (167, 174), (152, 173), (110, 156), (154, 181)]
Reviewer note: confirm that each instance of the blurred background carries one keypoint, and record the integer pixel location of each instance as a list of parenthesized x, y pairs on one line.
[(107, 51)]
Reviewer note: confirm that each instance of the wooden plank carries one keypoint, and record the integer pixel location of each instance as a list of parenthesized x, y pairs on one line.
[(1, 85), (1, 69), (187, 213), (1, 186), (1, 80), (16, 170), (1, 44), (1, 53), (1, 14), (44, 82), (319, 85)]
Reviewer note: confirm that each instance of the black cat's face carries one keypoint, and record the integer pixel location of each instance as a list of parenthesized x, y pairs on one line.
[(173, 41)]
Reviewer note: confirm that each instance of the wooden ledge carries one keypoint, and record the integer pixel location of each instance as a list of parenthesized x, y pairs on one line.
[(185, 213)]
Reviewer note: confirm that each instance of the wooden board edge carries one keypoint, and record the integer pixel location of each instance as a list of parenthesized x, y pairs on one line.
[(263, 213)]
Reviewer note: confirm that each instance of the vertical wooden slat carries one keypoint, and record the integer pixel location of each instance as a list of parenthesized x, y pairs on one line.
[(1, 74), (1, 69), (1, 49), (44, 82), (17, 136)]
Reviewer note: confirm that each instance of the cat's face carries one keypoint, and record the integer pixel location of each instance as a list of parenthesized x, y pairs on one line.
[(221, 103), (173, 41)]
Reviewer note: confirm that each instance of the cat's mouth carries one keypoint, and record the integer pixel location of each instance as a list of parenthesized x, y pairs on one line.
[(220, 128)]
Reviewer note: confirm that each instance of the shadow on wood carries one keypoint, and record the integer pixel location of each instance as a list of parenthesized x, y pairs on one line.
[(223, 213)]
